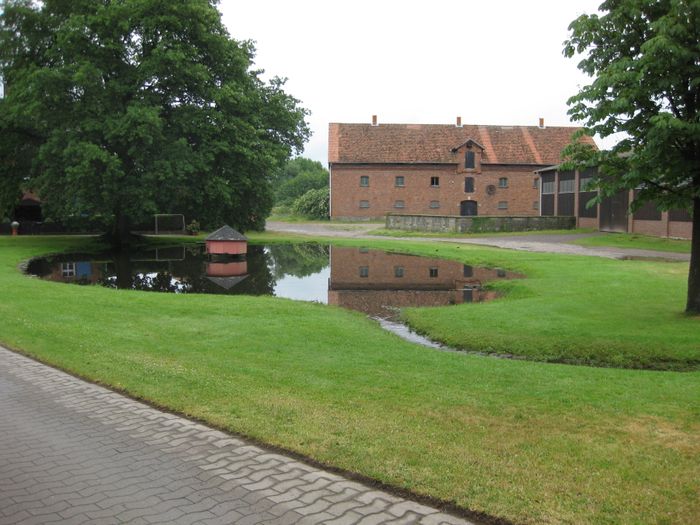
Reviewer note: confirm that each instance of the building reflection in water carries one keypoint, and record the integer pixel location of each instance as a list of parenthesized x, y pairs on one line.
[(380, 283)]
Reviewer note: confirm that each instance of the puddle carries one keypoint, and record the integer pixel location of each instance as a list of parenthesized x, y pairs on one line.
[(374, 282)]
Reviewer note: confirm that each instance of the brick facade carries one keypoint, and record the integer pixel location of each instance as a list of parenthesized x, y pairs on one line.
[(661, 225), (423, 169)]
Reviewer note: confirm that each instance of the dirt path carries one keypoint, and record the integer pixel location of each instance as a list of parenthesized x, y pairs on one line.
[(545, 243)]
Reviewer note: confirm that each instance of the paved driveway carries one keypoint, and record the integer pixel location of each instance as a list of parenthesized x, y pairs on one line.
[(546, 242), (73, 452)]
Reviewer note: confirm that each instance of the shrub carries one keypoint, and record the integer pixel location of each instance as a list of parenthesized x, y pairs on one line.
[(314, 204)]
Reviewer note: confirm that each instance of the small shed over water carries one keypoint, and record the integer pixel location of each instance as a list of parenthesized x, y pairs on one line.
[(226, 241)]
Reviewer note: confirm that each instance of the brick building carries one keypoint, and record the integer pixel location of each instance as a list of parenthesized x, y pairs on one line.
[(439, 169), (568, 192)]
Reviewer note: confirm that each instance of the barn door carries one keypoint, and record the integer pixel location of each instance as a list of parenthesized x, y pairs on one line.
[(468, 208), (613, 212)]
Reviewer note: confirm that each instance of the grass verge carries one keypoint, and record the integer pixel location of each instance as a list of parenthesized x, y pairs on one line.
[(635, 241), (525, 441)]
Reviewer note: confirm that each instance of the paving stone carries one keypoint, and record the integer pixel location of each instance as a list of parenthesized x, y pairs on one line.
[(72, 452)]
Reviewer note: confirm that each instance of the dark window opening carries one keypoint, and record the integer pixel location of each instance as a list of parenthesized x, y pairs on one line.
[(364, 271), (503, 182), (364, 181), (469, 160), (677, 215), (435, 182), (468, 184), (433, 272), (647, 212), (399, 181), (398, 271)]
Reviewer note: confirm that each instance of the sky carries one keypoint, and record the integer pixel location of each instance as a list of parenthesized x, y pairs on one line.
[(490, 62)]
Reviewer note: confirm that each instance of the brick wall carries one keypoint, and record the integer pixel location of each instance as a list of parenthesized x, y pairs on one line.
[(419, 196)]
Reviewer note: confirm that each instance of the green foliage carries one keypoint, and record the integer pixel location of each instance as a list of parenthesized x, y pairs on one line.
[(137, 107), (645, 60), (298, 176), (646, 63), (314, 204)]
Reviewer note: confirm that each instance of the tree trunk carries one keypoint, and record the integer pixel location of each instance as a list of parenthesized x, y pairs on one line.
[(693, 305), (120, 236)]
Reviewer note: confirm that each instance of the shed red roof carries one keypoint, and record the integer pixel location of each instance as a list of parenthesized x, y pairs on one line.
[(433, 143)]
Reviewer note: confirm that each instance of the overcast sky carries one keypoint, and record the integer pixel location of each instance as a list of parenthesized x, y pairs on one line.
[(491, 62)]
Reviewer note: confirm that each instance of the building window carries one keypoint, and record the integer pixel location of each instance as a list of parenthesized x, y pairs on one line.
[(364, 204), (535, 205), (399, 204), (469, 160), (567, 186), (399, 181), (548, 187), (433, 272), (468, 271), (502, 205), (364, 271), (68, 269), (398, 271), (503, 182), (468, 184), (364, 181), (434, 204), (586, 184), (435, 182), (536, 182)]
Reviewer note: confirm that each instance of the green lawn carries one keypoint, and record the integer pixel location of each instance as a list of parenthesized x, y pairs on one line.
[(525, 441), (633, 240)]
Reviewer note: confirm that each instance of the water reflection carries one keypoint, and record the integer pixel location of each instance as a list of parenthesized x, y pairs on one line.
[(379, 283), (371, 281)]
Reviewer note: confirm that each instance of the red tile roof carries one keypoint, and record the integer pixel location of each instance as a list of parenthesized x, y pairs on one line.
[(433, 143)]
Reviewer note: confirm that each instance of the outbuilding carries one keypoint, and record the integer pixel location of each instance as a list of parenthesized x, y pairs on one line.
[(226, 241)]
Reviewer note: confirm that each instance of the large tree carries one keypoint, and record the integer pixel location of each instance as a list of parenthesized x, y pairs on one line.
[(644, 57), (120, 109)]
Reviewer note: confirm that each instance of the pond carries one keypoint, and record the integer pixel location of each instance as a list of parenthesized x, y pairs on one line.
[(375, 282)]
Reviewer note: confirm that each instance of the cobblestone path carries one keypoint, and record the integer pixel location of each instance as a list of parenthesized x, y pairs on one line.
[(72, 452)]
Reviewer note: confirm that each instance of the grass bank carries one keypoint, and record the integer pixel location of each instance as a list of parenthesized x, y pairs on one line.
[(526, 441), (635, 241)]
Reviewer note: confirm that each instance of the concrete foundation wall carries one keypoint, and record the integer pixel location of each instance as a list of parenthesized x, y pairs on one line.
[(458, 224)]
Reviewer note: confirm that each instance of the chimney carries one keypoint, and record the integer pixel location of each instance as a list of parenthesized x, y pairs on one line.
[(541, 123), (459, 122), (374, 120)]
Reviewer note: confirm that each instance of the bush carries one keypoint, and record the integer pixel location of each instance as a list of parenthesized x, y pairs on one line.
[(292, 189), (314, 204)]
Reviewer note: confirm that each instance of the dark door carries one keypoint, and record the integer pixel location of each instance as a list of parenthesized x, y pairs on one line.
[(468, 208), (613, 212)]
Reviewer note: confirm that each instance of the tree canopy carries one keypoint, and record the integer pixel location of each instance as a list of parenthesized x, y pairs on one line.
[(298, 176), (644, 58), (122, 109)]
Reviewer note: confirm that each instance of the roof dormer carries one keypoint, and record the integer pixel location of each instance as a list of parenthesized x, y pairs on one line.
[(468, 156)]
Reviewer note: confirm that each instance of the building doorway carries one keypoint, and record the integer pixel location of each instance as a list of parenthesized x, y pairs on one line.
[(613, 212), (468, 209)]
